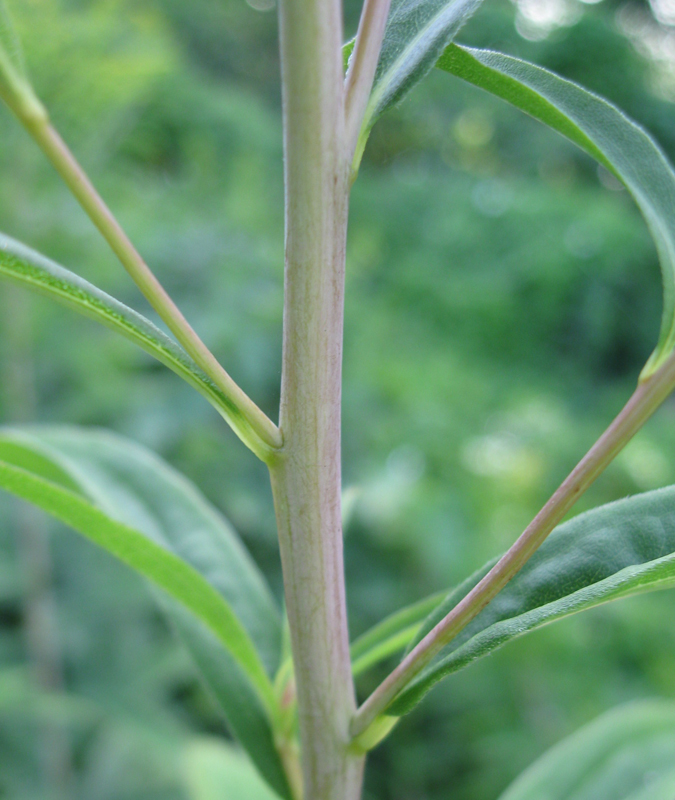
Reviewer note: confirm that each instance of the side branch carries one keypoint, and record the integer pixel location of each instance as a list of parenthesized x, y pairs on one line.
[(306, 479), (252, 426), (362, 67), (648, 396)]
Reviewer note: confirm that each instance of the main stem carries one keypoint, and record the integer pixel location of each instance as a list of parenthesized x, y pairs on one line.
[(306, 473)]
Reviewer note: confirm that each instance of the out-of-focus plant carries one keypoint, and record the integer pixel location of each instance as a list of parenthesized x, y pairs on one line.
[(286, 686)]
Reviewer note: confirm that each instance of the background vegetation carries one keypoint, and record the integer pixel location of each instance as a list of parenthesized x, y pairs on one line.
[(502, 295)]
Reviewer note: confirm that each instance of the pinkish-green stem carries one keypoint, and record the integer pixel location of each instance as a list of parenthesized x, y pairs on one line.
[(648, 396), (362, 67), (306, 473), (252, 426)]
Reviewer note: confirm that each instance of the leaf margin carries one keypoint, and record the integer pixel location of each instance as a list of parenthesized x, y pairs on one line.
[(26, 267), (482, 69), (638, 578), (162, 567)]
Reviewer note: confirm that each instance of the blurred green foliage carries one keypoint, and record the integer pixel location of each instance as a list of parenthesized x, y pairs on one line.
[(502, 296)]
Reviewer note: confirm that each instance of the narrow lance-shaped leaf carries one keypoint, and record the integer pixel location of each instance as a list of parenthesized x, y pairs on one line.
[(24, 266), (128, 501), (417, 32), (602, 131), (617, 550), (627, 754), (243, 709), (161, 566), (392, 634)]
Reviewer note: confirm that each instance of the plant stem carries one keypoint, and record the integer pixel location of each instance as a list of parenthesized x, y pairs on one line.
[(306, 473), (252, 426), (648, 396), (362, 67)]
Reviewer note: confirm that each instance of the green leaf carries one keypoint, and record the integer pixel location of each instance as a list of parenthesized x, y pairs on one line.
[(215, 770), (627, 754), (615, 551), (417, 32), (24, 266), (602, 131), (243, 708), (392, 634), (127, 500)]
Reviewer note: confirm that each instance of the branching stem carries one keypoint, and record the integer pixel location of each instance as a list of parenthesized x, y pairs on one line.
[(648, 396), (362, 67), (252, 426)]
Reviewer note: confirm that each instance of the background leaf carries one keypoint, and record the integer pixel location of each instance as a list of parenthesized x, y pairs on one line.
[(627, 754), (143, 512), (620, 549), (602, 131), (215, 770)]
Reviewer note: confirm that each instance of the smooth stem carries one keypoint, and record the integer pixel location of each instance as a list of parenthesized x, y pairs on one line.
[(252, 426), (306, 474), (362, 67), (643, 403)]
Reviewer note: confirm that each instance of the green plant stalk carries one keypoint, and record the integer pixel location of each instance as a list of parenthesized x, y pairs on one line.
[(649, 395), (306, 473), (252, 426)]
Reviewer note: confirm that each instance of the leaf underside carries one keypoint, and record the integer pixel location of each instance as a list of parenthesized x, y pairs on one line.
[(416, 34), (28, 268), (415, 37), (621, 549), (604, 133), (128, 501), (627, 754)]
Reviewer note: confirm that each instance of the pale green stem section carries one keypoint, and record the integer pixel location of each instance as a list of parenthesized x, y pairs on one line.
[(648, 396), (306, 474), (252, 426), (362, 67)]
